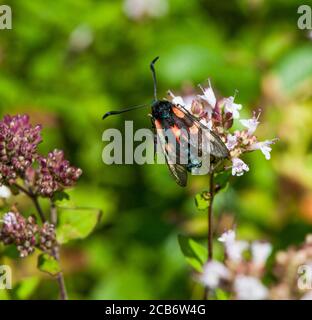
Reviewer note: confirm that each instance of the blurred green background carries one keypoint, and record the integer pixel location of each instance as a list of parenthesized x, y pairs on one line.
[(67, 62)]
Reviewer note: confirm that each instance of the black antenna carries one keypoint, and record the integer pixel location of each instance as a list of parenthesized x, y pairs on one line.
[(154, 77), (110, 113)]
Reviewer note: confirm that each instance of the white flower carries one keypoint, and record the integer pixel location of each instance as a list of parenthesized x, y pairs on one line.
[(188, 100), (5, 192), (227, 236), (213, 273), (185, 102), (231, 141), (239, 166), (136, 9), (264, 146), (230, 106), (234, 248), (9, 219), (260, 252), (208, 95), (176, 100), (249, 288), (81, 38), (251, 124)]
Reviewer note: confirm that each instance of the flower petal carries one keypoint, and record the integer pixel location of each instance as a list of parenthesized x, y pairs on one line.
[(208, 95), (239, 166)]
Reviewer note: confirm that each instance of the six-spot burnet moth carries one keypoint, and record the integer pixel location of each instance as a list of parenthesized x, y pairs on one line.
[(186, 143)]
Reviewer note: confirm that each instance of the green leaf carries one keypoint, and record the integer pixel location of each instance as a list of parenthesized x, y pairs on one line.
[(202, 200), (221, 180), (25, 288), (295, 68), (60, 195), (76, 223), (4, 294), (10, 251), (221, 294), (14, 189), (48, 264), (195, 253)]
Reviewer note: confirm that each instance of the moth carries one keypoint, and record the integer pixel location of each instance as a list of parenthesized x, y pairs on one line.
[(184, 140)]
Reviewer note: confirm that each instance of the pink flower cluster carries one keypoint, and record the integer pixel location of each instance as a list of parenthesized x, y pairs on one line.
[(18, 146), (19, 159), (239, 276), (241, 273), (53, 174), (219, 115), (26, 234)]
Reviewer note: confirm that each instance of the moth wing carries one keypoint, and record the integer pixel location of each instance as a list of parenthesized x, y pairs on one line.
[(211, 143), (172, 151)]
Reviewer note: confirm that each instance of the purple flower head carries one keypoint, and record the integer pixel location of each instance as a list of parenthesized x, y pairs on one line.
[(53, 174), (47, 238), (19, 231), (26, 234), (18, 146)]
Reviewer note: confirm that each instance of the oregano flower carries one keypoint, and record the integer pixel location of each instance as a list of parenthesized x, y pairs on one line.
[(26, 234), (18, 146), (54, 173), (219, 115)]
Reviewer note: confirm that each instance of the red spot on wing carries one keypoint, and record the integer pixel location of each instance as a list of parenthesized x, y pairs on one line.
[(179, 113), (158, 125)]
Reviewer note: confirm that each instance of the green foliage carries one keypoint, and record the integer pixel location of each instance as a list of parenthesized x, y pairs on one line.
[(221, 294), (48, 264), (4, 295), (195, 253), (202, 200), (76, 223), (24, 289), (243, 45), (221, 180), (60, 196)]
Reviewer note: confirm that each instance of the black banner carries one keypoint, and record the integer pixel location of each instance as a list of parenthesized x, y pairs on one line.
[(134, 309)]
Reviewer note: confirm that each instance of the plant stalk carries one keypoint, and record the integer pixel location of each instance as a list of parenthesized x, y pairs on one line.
[(34, 199), (38, 208), (56, 254), (210, 226), (210, 218), (53, 219)]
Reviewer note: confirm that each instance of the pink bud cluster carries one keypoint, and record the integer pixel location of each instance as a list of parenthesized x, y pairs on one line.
[(19, 159), (26, 234), (18, 146), (53, 174)]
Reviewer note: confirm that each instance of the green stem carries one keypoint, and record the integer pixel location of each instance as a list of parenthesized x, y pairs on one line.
[(210, 218), (53, 219), (210, 226), (34, 199), (56, 254)]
